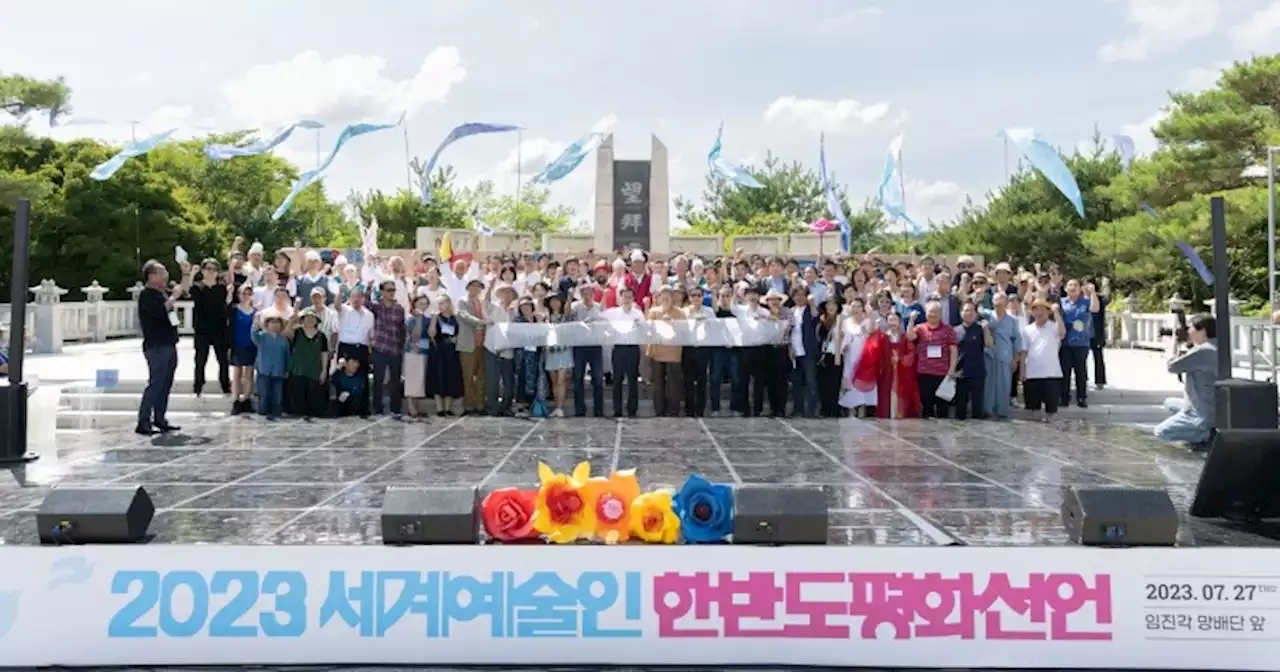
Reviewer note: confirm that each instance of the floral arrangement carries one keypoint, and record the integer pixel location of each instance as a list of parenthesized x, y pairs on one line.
[(575, 507)]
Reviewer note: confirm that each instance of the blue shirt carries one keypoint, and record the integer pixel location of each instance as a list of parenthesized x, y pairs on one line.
[(1078, 321), (1006, 336), (273, 353), (970, 345)]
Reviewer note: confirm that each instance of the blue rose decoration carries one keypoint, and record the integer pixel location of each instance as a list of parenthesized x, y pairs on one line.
[(705, 510)]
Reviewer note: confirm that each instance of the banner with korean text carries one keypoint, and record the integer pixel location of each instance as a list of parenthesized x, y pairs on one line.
[(635, 605)]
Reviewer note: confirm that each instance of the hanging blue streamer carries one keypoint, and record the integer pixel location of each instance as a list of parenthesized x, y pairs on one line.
[(1049, 162), (1187, 251), (351, 131), (224, 152), (890, 195), (569, 159), (462, 131), (833, 203), (734, 174), (1126, 149), (1196, 262), (106, 169)]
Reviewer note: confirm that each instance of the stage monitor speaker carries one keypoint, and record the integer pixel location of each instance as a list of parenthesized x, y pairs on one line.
[(1241, 477), (779, 514), (1246, 404), (1119, 516), (95, 515), (430, 515)]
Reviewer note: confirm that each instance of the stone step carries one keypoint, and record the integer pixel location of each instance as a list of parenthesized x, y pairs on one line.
[(69, 419), (125, 401)]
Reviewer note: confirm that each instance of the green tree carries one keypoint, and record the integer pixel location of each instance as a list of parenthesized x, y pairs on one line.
[(792, 196), (532, 214), (1028, 221), (1209, 139), (19, 97)]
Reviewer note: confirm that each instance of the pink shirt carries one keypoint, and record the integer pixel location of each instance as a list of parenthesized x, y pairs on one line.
[(933, 349)]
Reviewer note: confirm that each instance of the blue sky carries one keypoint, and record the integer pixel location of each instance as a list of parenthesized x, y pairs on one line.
[(948, 74)]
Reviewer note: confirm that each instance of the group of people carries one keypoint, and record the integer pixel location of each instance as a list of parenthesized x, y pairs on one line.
[(857, 336)]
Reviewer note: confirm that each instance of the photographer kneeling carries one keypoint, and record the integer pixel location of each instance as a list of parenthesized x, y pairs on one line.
[(1193, 415)]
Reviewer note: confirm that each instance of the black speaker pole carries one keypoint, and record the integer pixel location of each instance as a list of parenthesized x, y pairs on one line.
[(13, 434), (1221, 284)]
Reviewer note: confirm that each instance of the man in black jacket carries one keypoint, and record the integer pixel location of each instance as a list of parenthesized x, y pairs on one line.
[(159, 344), (211, 325)]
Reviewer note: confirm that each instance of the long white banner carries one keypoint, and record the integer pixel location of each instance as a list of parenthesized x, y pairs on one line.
[(641, 605), (722, 332)]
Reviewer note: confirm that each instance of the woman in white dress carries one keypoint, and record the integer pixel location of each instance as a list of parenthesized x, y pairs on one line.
[(854, 328)]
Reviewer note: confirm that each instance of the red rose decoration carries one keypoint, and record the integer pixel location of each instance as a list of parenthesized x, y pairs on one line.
[(507, 514)]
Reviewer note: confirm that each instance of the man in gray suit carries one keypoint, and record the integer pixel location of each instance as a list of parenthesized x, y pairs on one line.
[(473, 316)]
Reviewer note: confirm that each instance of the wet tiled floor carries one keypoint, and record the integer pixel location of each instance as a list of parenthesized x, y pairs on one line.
[(243, 480)]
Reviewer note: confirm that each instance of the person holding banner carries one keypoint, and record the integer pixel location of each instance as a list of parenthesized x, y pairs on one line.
[(668, 379), (626, 358)]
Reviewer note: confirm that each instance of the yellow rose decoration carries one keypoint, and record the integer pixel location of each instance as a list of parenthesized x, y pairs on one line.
[(563, 512), (610, 499), (653, 518)]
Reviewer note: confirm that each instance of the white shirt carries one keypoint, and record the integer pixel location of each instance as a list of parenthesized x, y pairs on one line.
[(355, 326), (618, 314), (263, 297), (499, 315), (743, 311), (1042, 350), (926, 288), (433, 296), (797, 336)]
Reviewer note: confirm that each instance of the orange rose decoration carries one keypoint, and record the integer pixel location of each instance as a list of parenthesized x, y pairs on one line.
[(507, 514), (611, 498)]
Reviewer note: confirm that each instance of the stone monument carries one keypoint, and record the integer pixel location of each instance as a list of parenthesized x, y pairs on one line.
[(633, 200)]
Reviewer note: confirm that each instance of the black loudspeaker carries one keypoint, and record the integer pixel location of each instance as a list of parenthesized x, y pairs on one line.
[(95, 515), (1119, 516), (779, 514), (1241, 477), (1245, 404), (430, 515)]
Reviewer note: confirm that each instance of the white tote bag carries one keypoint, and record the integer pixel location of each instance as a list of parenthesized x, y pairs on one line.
[(946, 389)]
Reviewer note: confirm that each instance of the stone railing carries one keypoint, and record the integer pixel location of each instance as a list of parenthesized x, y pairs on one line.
[(1255, 342), (52, 322)]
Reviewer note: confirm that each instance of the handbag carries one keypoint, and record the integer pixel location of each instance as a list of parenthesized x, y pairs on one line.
[(946, 389)]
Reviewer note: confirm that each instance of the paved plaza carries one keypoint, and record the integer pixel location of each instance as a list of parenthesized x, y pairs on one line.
[(248, 481)]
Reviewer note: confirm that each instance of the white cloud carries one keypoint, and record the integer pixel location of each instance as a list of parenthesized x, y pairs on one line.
[(1260, 29), (1143, 140), (345, 89), (1199, 79), (139, 80), (532, 156), (605, 124), (121, 131), (835, 116), (849, 20), (934, 201), (1161, 26)]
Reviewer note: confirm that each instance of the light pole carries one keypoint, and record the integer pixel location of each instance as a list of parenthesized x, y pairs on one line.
[(1271, 227)]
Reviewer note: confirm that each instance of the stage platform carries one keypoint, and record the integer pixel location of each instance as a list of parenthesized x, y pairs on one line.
[(904, 483)]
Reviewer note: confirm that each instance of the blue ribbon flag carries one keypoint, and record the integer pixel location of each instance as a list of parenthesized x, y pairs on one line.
[(833, 203), (462, 131), (1187, 251), (734, 174), (1125, 147), (351, 131), (890, 195), (106, 169), (1048, 161), (569, 159), (224, 152)]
